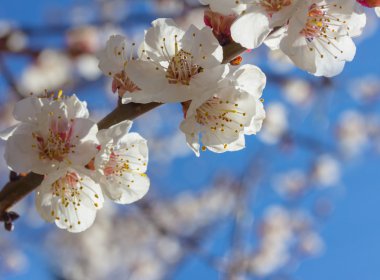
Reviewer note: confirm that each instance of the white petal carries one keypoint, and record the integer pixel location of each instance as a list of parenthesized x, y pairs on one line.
[(85, 141), (127, 188), (113, 58), (203, 46), (226, 7), (6, 133), (234, 146), (250, 30), (189, 127), (250, 79), (115, 132), (76, 108), (153, 83), (164, 33), (26, 110), (257, 120), (19, 154)]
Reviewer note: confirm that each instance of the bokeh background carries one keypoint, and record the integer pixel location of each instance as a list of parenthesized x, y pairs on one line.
[(302, 201)]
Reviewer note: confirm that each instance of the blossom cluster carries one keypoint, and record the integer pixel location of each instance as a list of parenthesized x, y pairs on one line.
[(221, 102), (56, 138), (315, 34)]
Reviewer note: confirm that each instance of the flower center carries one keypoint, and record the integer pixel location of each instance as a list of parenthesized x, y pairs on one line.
[(323, 27), (122, 83), (56, 146), (218, 114), (181, 68), (273, 6), (117, 165)]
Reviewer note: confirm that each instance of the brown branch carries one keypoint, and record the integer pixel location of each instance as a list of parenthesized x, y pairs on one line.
[(15, 191)]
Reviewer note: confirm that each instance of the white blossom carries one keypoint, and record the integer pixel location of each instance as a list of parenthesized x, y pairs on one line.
[(53, 133), (122, 161), (229, 112), (298, 92), (113, 62), (326, 171), (377, 11), (291, 184), (70, 198), (175, 65), (319, 35), (352, 133)]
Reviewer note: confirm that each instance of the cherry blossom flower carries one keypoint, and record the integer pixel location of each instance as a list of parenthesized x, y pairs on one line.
[(113, 61), (53, 133), (122, 161), (377, 11), (175, 65), (319, 35), (70, 198), (229, 112)]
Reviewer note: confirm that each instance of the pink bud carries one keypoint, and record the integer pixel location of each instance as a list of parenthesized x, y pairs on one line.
[(220, 24), (369, 3)]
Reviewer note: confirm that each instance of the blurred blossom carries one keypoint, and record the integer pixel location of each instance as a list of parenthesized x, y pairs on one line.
[(326, 171), (165, 7), (115, 10), (373, 127), (12, 260), (352, 133), (291, 184), (141, 244), (83, 39), (16, 41), (87, 66), (298, 92), (282, 232), (51, 71), (311, 244), (366, 89), (276, 123)]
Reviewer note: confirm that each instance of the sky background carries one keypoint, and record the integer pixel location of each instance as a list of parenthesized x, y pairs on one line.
[(352, 231)]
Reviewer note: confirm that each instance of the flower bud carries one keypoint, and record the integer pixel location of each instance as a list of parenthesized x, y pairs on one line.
[(220, 24), (369, 3)]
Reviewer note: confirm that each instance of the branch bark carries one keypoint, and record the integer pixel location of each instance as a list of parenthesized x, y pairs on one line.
[(13, 192)]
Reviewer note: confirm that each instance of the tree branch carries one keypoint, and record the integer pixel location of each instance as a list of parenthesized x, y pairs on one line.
[(15, 191)]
